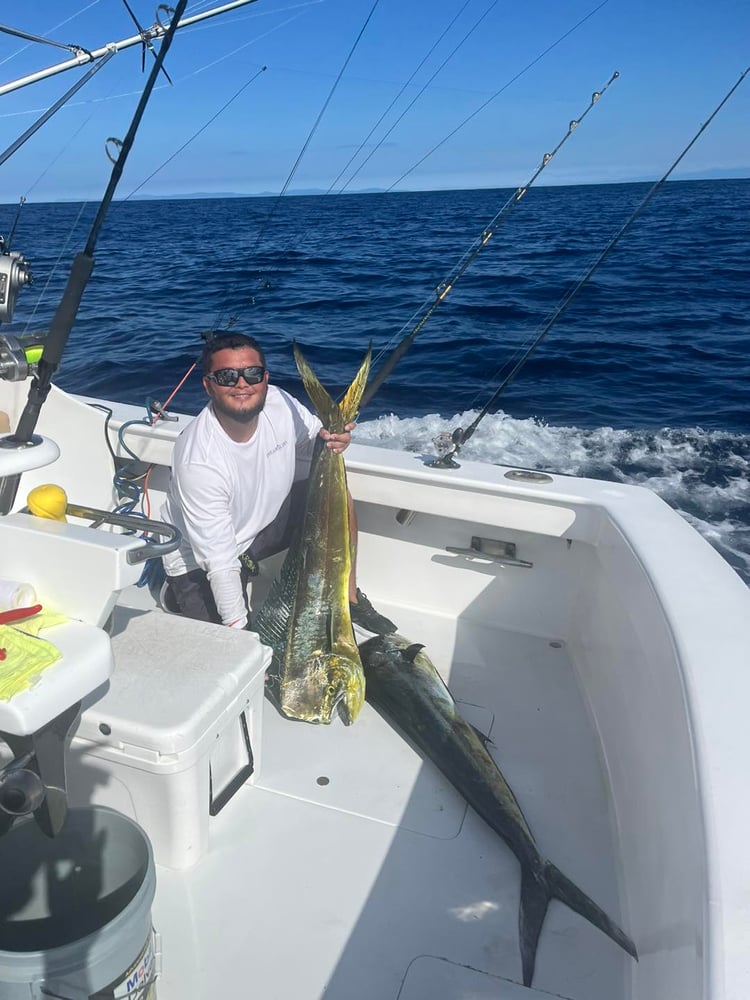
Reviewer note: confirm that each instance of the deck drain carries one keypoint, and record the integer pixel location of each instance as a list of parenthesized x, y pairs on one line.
[(322, 780), (556, 644)]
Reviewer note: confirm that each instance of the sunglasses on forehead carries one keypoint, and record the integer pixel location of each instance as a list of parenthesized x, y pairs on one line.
[(231, 376)]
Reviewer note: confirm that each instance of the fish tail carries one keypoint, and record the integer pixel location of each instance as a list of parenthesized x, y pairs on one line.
[(353, 396), (535, 897), (568, 892), (334, 416), (536, 892)]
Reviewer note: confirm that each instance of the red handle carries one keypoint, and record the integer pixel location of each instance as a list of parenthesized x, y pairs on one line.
[(17, 614)]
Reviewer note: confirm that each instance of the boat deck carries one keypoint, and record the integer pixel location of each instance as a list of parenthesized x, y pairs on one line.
[(353, 869)]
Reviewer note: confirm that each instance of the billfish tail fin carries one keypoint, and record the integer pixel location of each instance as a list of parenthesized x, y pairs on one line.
[(536, 892), (334, 416)]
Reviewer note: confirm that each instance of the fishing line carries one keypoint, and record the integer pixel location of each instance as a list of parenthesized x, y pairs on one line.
[(55, 28), (416, 98), (66, 145), (297, 241), (220, 319), (54, 109), (497, 93), (240, 48), (253, 15), (83, 264), (313, 130), (195, 135), (188, 76), (449, 444), (428, 308)]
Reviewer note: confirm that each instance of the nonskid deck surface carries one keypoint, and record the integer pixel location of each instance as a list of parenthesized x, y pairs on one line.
[(352, 869)]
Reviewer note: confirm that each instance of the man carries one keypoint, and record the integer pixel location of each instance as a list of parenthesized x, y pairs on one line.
[(238, 487)]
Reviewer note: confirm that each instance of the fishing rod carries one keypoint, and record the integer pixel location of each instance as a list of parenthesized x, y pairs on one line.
[(448, 444), (62, 322), (145, 37), (442, 290)]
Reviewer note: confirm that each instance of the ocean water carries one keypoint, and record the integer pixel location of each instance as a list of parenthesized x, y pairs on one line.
[(643, 379)]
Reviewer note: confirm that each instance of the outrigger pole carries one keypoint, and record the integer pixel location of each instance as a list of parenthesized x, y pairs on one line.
[(449, 444), (444, 287), (62, 322), (6, 155), (145, 37)]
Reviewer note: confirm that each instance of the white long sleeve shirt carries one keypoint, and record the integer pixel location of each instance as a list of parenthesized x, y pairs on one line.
[(223, 493)]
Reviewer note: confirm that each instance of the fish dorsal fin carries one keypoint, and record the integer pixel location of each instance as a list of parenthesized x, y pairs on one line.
[(334, 416), (410, 652)]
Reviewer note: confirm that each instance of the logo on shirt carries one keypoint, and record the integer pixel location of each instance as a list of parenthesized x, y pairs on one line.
[(277, 448)]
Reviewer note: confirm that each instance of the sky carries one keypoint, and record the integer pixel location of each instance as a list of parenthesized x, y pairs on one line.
[(382, 94)]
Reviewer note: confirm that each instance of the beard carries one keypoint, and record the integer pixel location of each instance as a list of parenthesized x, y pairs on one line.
[(242, 415)]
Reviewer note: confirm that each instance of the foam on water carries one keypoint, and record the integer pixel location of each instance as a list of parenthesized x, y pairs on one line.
[(704, 475)]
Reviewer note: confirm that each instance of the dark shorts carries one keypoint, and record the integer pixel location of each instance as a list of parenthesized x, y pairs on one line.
[(190, 593)]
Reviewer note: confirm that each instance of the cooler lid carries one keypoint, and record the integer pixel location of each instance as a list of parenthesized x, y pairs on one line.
[(173, 679)]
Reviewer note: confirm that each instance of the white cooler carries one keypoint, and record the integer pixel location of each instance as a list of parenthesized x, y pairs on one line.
[(177, 732)]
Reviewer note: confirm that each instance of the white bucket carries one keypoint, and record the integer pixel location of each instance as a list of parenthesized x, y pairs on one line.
[(75, 910)]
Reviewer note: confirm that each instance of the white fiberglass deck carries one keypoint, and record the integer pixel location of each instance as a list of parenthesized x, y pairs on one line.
[(352, 869)]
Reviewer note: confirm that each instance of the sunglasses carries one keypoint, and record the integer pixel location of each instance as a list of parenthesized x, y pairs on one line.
[(231, 376)]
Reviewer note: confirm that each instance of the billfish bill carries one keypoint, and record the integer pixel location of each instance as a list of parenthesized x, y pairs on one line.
[(316, 668), (406, 687)]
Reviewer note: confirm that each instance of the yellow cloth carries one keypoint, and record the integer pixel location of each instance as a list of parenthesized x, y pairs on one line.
[(44, 619), (26, 656)]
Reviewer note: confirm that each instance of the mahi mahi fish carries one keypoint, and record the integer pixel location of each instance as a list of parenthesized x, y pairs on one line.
[(406, 687), (316, 668)]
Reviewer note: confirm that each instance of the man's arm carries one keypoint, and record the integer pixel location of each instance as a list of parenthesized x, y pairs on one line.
[(205, 503)]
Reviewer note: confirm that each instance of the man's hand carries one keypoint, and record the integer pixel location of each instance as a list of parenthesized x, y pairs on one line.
[(338, 442)]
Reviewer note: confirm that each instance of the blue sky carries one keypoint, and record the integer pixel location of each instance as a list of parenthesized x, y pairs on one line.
[(676, 59)]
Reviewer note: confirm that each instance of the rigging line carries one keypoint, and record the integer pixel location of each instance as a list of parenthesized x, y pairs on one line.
[(245, 45), (53, 109), (497, 93), (28, 37), (195, 135), (411, 104), (67, 20), (129, 139), (395, 100), (461, 436), (52, 271), (84, 205), (64, 317), (188, 76), (313, 130), (254, 15), (442, 290)]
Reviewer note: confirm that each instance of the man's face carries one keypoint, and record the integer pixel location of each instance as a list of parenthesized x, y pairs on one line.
[(241, 402)]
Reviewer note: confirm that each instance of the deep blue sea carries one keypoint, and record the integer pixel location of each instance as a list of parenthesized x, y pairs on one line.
[(643, 379)]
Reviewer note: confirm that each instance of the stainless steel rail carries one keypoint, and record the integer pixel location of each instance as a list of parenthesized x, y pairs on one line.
[(139, 525)]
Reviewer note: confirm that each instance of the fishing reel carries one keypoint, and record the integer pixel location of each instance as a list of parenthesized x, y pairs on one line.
[(447, 445), (18, 359), (14, 274)]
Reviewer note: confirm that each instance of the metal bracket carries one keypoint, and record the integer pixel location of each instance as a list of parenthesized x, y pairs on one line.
[(493, 550)]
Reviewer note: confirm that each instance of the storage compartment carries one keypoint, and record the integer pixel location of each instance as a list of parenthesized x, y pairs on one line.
[(176, 732)]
